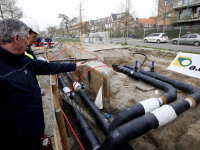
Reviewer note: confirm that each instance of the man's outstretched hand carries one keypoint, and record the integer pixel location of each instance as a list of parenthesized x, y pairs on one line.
[(80, 65)]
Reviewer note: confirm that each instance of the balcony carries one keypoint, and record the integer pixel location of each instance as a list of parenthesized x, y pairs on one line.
[(185, 3), (180, 19)]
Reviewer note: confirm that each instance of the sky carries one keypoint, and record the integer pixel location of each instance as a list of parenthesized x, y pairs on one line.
[(45, 12)]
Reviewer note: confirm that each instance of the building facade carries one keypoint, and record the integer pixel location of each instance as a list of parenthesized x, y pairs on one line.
[(114, 23), (147, 23), (172, 13), (187, 12), (76, 29)]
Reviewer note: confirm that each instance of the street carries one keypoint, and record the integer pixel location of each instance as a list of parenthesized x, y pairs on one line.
[(140, 42)]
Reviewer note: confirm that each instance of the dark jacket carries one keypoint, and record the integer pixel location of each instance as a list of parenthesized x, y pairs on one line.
[(21, 110), (28, 50)]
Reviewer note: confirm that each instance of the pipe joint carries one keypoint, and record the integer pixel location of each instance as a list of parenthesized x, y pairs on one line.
[(160, 101), (191, 101), (77, 86), (66, 90), (163, 99)]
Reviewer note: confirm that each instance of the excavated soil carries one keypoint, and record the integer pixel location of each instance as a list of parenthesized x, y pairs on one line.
[(180, 134)]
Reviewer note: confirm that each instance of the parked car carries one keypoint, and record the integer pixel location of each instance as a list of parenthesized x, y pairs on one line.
[(156, 37), (133, 35), (77, 36), (193, 38)]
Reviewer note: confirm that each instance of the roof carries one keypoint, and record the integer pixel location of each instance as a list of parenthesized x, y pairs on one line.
[(104, 20), (147, 21), (92, 22), (99, 21), (78, 25), (117, 17), (154, 18)]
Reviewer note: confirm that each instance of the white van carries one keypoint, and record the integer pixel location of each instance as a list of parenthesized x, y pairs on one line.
[(156, 37)]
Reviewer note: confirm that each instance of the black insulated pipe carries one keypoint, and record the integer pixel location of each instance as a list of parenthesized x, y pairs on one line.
[(180, 106), (89, 138), (101, 119), (137, 109), (139, 126), (171, 93), (193, 91), (128, 131), (126, 115)]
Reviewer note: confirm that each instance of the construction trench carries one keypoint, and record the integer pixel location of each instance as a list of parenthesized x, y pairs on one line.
[(148, 110)]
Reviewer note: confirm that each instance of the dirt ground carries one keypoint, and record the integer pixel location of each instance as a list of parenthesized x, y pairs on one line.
[(180, 134)]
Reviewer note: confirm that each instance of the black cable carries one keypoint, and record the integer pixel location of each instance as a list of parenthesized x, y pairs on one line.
[(144, 59)]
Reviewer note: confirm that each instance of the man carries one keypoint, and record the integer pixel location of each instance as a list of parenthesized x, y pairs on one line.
[(39, 39), (21, 112), (33, 32)]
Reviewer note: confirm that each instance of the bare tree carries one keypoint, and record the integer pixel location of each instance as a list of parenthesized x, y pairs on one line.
[(9, 9), (60, 30), (80, 17), (127, 16), (1, 10), (52, 30), (66, 22), (164, 10), (2, 5)]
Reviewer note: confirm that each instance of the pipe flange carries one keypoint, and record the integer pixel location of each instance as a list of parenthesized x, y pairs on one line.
[(163, 99), (190, 98)]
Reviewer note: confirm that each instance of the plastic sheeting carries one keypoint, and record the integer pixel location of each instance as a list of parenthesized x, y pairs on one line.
[(150, 104), (164, 114), (99, 100)]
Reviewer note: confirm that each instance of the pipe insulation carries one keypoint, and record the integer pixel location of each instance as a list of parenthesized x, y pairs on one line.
[(150, 104), (139, 126), (169, 96), (89, 138), (145, 106), (193, 91), (101, 119)]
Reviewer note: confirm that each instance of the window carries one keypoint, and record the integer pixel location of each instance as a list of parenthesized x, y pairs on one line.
[(185, 2), (198, 10), (192, 36), (156, 34), (185, 36), (164, 34), (145, 25), (168, 14), (169, 2), (180, 2), (151, 35)]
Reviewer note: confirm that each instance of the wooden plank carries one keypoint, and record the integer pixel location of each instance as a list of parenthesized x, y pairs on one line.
[(55, 95), (61, 127), (72, 59), (56, 137), (58, 145), (93, 80)]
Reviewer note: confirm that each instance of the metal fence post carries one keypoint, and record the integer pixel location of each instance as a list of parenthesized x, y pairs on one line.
[(178, 39)]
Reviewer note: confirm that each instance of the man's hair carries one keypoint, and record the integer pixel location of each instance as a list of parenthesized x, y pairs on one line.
[(31, 31), (9, 27)]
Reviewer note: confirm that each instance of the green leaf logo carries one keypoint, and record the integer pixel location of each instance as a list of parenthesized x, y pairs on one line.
[(184, 61)]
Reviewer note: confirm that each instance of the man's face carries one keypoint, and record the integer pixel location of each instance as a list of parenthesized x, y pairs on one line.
[(32, 38), (23, 44)]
